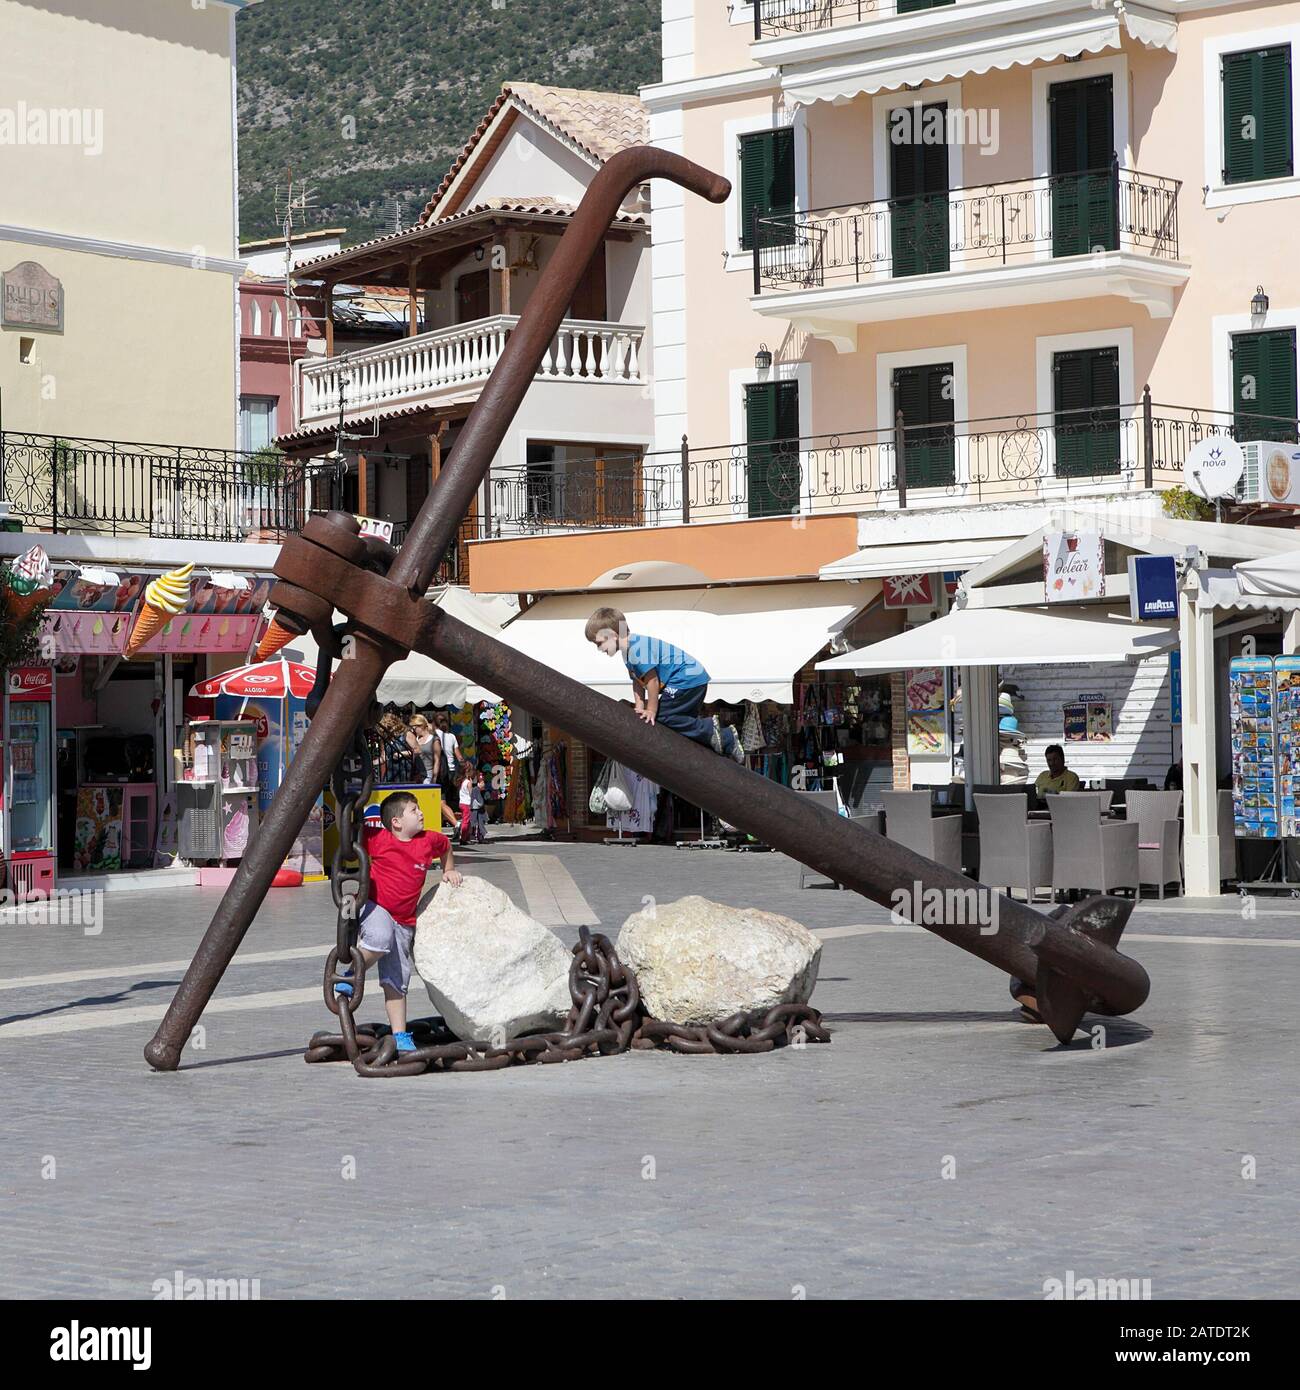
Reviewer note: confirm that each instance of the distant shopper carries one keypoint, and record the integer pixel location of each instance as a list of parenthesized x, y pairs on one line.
[(1058, 777), (668, 684)]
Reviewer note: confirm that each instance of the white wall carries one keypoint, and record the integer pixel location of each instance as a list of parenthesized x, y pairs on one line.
[(1139, 696), (531, 163)]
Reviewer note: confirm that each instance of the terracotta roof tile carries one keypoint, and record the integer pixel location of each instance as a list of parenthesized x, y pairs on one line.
[(600, 123)]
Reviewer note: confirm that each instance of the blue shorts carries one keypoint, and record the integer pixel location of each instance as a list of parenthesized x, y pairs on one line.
[(391, 941)]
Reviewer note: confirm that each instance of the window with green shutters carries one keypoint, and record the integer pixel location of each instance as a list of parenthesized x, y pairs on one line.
[(1085, 390), (767, 186), (925, 396), (772, 435), (918, 183), (1084, 178), (1264, 385), (1258, 136), (908, 6)]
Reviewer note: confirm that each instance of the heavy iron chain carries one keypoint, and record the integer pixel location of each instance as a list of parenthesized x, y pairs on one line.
[(606, 1018)]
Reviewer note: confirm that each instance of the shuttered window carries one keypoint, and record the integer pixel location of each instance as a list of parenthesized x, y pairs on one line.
[(908, 6), (1264, 384), (772, 435), (925, 396), (767, 186), (1258, 138), (918, 185), (1084, 178), (1085, 387)]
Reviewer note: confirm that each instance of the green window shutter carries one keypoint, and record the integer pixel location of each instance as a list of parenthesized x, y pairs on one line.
[(1258, 139), (1085, 391), (1264, 385), (918, 179), (924, 395), (911, 6), (767, 185), (1083, 177), (772, 434)]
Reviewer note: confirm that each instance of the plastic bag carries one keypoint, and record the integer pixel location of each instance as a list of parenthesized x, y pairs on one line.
[(618, 794), (597, 802)]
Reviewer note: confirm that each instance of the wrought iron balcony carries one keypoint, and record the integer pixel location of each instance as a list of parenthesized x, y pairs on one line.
[(781, 18), (969, 230), (109, 487)]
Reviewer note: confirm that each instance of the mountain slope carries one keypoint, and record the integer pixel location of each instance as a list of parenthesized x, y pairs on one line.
[(371, 100)]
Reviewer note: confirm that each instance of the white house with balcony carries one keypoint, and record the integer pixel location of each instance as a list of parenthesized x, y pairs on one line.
[(381, 409)]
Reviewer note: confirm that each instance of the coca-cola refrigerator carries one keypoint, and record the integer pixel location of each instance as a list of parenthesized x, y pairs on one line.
[(26, 813)]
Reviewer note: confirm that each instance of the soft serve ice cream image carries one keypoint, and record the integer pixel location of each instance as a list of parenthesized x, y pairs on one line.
[(164, 598)]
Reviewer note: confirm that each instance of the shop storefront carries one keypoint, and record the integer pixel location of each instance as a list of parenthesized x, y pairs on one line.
[(104, 776)]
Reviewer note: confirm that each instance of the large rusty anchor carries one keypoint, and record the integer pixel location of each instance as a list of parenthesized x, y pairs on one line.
[(1070, 960)]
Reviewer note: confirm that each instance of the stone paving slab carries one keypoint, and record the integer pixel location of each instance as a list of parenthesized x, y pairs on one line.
[(654, 1174)]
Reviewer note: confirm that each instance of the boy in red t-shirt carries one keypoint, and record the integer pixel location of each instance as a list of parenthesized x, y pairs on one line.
[(401, 853)]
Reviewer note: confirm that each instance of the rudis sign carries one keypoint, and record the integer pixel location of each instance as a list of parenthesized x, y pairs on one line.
[(31, 680), (1074, 567)]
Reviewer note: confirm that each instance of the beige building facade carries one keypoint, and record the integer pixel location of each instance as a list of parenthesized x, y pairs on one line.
[(117, 159)]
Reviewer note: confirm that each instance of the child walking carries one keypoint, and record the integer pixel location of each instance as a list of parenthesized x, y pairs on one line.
[(668, 684), (401, 852), (473, 816)]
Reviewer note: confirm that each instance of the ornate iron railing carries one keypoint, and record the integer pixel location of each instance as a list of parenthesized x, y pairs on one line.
[(110, 487), (1098, 453), (772, 18), (969, 229)]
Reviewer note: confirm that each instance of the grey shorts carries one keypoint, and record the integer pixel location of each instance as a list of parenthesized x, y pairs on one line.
[(392, 941)]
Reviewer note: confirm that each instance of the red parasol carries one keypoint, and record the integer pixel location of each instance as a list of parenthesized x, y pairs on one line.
[(274, 679)]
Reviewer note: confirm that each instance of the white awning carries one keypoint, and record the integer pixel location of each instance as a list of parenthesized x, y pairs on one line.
[(1011, 637), (1271, 574), (922, 557), (945, 56), (751, 639), (1224, 589), (419, 679)]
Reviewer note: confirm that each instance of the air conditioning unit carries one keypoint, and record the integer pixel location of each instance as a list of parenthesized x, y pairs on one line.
[(1271, 474)]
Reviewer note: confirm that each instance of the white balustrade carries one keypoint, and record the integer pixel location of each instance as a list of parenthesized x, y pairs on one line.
[(448, 360)]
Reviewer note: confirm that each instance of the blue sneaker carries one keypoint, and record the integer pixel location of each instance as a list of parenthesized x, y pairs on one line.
[(405, 1042), (344, 988)]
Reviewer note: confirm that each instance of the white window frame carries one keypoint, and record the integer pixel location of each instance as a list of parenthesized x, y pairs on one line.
[(1045, 349), (1044, 79), (1222, 329), (1224, 195), (731, 133), (800, 373), (924, 357)]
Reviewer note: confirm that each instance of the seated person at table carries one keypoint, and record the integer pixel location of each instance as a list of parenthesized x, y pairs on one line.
[(1058, 777)]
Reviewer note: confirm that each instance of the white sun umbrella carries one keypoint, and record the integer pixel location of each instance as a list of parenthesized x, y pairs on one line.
[(418, 679), (1271, 574)]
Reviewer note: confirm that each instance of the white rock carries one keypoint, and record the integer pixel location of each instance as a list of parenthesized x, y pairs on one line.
[(697, 961), (491, 971)]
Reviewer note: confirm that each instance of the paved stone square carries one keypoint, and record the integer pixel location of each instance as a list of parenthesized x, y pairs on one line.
[(937, 1148)]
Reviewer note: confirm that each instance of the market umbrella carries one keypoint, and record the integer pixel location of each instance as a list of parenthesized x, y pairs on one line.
[(273, 679)]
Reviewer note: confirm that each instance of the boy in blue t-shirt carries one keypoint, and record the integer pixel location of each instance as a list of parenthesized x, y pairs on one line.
[(668, 684)]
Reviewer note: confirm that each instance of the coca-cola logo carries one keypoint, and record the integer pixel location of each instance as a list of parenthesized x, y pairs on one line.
[(26, 678)]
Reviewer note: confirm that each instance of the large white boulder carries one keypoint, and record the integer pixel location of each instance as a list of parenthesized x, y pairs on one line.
[(697, 961), (491, 971)]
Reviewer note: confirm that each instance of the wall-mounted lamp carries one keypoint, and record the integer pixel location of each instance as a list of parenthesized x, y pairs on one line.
[(762, 358), (480, 252), (1259, 302)]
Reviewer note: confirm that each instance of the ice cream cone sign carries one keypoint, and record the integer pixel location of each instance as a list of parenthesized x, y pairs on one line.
[(164, 598), (31, 578)]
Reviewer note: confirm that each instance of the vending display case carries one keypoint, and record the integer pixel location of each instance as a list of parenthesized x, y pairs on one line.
[(1252, 694), (216, 789), (27, 826)]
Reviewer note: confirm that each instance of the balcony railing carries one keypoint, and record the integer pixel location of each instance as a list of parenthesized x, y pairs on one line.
[(108, 487), (1069, 454), (450, 361), (969, 229), (775, 18)]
